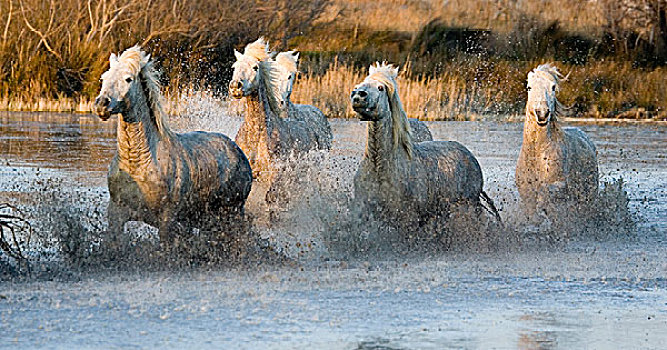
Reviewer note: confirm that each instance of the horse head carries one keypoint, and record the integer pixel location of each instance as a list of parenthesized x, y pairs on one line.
[(287, 63), (376, 100), (120, 82), (371, 98), (245, 78), (543, 84)]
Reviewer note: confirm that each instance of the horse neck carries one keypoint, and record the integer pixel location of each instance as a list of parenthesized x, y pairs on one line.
[(535, 135), (380, 150), (259, 116), (137, 140)]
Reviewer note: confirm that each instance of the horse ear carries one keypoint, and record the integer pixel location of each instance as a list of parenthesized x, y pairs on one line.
[(238, 55), (145, 60), (113, 58), (296, 55), (371, 70)]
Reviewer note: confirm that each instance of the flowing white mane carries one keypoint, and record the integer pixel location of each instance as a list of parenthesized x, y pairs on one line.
[(549, 73), (140, 65), (386, 74), (271, 75), (259, 50), (546, 71)]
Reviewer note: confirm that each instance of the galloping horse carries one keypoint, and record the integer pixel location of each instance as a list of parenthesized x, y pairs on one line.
[(172, 181), (557, 165), (404, 181)]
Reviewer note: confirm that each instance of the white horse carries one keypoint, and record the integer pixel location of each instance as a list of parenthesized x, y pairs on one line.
[(172, 181), (270, 132), (287, 63), (405, 181), (557, 165)]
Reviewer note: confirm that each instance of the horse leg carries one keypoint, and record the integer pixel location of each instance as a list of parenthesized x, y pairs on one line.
[(277, 194), (234, 229), (172, 233), (117, 216), (529, 207)]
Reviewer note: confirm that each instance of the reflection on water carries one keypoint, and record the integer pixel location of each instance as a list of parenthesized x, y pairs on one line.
[(539, 332), (57, 140)]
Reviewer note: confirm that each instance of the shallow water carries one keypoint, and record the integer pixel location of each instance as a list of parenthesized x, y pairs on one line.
[(607, 292)]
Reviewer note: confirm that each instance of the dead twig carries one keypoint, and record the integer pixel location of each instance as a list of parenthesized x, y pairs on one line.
[(11, 222), (43, 36)]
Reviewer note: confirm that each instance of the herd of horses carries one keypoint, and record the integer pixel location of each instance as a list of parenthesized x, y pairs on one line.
[(178, 182)]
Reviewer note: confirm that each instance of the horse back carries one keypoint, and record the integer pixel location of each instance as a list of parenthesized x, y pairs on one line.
[(214, 166), (420, 132), (313, 122), (580, 140), (581, 162), (452, 166)]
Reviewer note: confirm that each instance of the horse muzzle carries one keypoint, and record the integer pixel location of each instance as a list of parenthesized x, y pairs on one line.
[(105, 107), (366, 114), (236, 89), (359, 100), (102, 108), (542, 118)]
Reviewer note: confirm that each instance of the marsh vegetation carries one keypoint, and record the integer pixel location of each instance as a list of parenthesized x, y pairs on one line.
[(461, 58)]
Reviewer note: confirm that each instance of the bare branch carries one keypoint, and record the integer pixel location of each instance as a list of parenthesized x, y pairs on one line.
[(43, 37), (9, 21)]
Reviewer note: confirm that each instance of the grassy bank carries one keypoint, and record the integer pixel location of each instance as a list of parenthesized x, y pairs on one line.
[(469, 88), (458, 58)]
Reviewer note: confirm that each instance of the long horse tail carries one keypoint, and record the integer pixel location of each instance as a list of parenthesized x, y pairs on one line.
[(490, 207)]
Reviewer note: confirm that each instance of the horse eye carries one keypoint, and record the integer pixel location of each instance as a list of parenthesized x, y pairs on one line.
[(128, 79), (255, 68), (381, 88), (553, 88)]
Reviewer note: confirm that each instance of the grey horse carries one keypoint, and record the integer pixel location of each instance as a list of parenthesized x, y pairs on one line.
[(557, 165), (272, 131), (403, 181), (172, 181)]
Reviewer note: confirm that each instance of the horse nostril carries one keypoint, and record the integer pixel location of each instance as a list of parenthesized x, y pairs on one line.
[(235, 84), (103, 101), (362, 94)]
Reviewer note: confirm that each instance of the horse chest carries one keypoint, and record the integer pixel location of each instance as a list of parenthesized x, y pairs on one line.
[(135, 190), (539, 166)]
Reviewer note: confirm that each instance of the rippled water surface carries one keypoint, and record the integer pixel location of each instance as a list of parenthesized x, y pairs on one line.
[(607, 292)]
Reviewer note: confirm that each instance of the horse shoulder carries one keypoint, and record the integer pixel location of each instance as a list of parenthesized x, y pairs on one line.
[(420, 132)]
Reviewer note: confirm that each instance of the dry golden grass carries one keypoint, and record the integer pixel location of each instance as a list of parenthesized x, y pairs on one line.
[(607, 89), (438, 80), (448, 97), (466, 90), (42, 104)]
